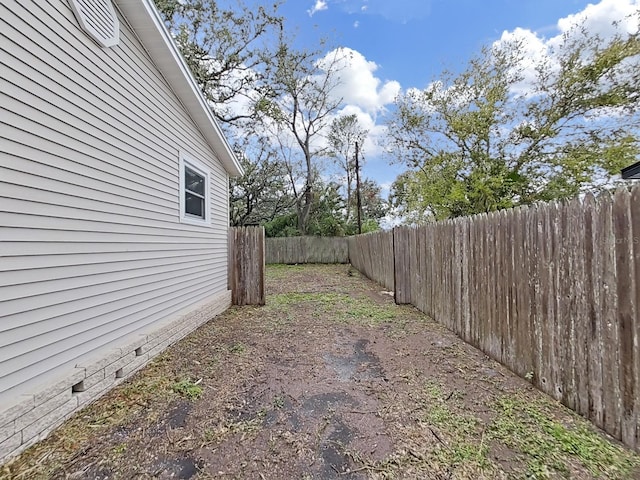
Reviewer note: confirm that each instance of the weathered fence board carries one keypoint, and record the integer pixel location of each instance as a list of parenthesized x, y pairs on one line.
[(626, 311), (402, 265), (552, 291), (292, 250), (635, 242), (246, 265)]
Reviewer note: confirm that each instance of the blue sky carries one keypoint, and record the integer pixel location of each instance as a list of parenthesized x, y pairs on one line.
[(396, 45), (412, 40)]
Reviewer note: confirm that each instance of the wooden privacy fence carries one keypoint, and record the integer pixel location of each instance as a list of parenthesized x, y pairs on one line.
[(552, 291), (372, 254), (246, 265), (292, 250)]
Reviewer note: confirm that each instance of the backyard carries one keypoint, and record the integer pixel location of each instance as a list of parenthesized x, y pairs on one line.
[(329, 380)]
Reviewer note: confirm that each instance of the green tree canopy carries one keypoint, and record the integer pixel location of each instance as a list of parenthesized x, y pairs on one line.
[(492, 137), (262, 193), (227, 49)]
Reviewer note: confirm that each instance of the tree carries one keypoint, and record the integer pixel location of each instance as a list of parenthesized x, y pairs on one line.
[(374, 207), (327, 215), (296, 111), (477, 141), (226, 49), (261, 194), (344, 133)]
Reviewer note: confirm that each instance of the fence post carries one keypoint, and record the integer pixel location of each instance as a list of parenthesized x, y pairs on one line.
[(246, 265)]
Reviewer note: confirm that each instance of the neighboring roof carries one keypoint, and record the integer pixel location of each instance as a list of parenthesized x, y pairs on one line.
[(632, 171), (145, 19)]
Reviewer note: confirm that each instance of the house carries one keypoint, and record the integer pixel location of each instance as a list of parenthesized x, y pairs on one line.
[(113, 205), (631, 172)]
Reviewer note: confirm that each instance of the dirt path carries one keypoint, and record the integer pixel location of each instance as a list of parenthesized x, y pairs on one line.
[(329, 380)]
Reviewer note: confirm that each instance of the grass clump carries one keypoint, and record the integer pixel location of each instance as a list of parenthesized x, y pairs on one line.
[(119, 449), (238, 348), (368, 312), (188, 389)]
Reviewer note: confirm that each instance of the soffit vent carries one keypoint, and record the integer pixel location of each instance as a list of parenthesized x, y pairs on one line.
[(98, 18)]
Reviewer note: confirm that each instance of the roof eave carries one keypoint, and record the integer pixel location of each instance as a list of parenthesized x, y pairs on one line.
[(145, 19), (631, 172)]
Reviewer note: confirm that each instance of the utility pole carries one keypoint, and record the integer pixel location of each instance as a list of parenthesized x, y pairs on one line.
[(358, 199)]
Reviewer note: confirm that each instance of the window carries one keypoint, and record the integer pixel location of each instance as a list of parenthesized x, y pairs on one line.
[(194, 192)]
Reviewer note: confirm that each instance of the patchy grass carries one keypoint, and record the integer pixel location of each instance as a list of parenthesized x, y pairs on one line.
[(338, 307), (458, 430), (452, 439), (281, 271), (549, 446), (116, 408), (120, 449), (329, 380), (188, 389)]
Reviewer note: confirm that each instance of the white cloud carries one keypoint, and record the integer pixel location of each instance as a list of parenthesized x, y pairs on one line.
[(360, 91), (358, 85), (600, 18), (363, 94), (318, 7), (535, 51), (356, 24), (604, 19)]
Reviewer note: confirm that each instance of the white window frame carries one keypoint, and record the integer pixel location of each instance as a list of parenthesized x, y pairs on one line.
[(200, 169)]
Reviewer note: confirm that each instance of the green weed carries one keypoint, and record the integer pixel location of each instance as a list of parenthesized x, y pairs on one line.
[(188, 389), (278, 402), (237, 348), (119, 449)]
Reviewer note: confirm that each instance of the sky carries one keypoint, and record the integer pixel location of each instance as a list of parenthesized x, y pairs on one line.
[(397, 45)]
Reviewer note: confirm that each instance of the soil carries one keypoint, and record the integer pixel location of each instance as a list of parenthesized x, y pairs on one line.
[(329, 380)]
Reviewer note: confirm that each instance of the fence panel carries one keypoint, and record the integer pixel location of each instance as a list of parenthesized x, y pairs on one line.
[(246, 265), (292, 250), (552, 291), (372, 255)]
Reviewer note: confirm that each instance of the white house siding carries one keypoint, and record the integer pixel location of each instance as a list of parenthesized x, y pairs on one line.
[(92, 253)]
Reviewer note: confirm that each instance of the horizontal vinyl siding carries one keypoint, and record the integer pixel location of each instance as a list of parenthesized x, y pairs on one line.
[(92, 252)]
